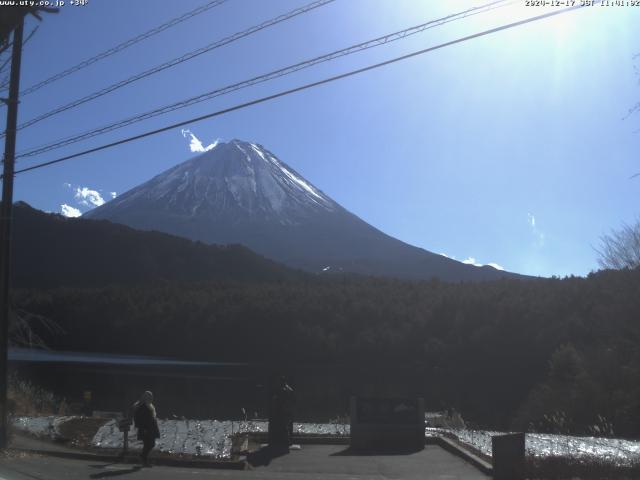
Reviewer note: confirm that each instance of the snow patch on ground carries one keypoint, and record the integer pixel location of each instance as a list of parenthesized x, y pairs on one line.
[(542, 445), (43, 427), (210, 438)]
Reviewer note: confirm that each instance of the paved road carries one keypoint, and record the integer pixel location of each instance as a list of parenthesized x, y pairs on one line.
[(313, 462)]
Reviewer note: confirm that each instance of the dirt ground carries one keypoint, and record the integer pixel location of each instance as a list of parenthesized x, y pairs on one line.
[(79, 432)]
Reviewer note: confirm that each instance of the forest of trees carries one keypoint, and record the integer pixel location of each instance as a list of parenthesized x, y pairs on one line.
[(546, 354), (556, 355), (50, 250)]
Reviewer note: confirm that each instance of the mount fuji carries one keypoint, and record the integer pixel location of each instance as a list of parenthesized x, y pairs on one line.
[(241, 193)]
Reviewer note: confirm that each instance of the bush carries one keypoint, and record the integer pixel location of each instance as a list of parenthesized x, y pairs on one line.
[(27, 399)]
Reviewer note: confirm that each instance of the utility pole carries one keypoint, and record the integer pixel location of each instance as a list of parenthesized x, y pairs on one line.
[(11, 20), (5, 223)]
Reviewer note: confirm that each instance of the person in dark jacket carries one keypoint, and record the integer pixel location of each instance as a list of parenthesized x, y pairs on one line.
[(144, 418), (280, 415)]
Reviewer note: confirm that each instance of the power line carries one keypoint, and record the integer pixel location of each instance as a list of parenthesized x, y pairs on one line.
[(107, 53), (178, 60), (5, 83), (265, 77), (300, 88), (5, 47)]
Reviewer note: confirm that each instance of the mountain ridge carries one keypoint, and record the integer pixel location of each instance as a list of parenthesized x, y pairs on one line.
[(240, 192), (50, 250)]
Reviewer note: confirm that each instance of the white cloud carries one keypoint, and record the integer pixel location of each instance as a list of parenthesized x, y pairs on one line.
[(472, 261), (445, 255), (69, 211), (87, 197), (196, 144), (84, 197), (475, 263), (532, 220), (538, 235)]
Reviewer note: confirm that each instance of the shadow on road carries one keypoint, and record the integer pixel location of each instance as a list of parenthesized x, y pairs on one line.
[(349, 452), (263, 457), (113, 473)]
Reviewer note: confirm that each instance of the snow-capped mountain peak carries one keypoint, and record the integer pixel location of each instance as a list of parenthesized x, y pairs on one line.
[(238, 178), (240, 192)]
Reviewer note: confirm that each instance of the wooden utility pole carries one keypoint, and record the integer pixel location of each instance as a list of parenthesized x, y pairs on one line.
[(11, 20), (5, 223)]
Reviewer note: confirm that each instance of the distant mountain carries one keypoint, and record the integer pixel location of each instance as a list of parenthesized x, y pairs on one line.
[(50, 250), (240, 192)]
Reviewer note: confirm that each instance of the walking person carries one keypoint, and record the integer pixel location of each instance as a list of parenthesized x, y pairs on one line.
[(280, 415), (145, 420)]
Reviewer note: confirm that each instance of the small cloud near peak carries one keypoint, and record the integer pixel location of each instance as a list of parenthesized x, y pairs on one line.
[(196, 145), (475, 263), (69, 211), (84, 197), (89, 198), (472, 261)]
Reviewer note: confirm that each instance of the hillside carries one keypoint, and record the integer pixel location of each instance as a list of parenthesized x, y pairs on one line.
[(240, 192), (50, 251), (549, 355)]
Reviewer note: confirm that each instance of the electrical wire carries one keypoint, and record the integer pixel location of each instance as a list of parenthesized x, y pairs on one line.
[(300, 88), (118, 48), (4, 65), (264, 78), (177, 61)]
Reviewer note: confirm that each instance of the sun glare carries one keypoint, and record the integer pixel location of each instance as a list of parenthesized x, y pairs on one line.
[(559, 27)]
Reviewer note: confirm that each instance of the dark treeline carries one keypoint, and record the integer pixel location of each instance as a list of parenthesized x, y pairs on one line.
[(50, 250), (548, 355)]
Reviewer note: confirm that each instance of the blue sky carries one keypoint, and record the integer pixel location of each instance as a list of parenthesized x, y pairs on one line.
[(513, 149)]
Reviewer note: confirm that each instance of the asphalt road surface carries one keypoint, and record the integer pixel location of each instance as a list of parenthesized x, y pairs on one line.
[(331, 462)]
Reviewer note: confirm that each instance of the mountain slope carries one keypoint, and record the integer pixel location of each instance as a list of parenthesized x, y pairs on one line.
[(239, 192), (51, 251)]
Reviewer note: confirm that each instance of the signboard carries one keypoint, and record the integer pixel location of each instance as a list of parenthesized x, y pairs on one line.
[(388, 410), (386, 424), (86, 409), (124, 425), (508, 456)]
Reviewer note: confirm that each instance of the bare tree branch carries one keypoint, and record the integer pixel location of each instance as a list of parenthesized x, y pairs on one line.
[(620, 249), (21, 329)]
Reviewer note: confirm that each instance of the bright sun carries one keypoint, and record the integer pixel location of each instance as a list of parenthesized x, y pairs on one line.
[(561, 26), (555, 31)]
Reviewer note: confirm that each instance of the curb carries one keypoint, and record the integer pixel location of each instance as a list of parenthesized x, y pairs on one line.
[(442, 442), (452, 447), (306, 439), (445, 443), (169, 462)]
